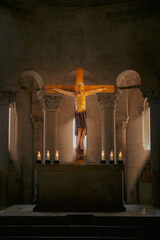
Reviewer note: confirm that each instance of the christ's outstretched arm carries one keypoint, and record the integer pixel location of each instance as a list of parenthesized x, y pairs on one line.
[(72, 94), (95, 91)]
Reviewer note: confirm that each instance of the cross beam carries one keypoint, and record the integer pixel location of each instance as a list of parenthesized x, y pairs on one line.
[(74, 88)]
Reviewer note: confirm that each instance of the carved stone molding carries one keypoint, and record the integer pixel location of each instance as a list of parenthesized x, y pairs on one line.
[(8, 94), (108, 99)]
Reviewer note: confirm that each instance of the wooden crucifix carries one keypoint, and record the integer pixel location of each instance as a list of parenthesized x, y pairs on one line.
[(79, 92)]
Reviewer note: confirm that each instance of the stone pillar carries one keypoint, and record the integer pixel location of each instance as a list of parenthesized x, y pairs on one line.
[(25, 138), (51, 104), (108, 103), (155, 148), (37, 120), (6, 97), (121, 127)]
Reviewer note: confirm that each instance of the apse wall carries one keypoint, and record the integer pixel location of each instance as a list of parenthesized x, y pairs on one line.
[(53, 41)]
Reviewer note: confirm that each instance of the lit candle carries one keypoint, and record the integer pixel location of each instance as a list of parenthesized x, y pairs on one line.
[(57, 156), (39, 155), (111, 156), (102, 155), (48, 155), (120, 155)]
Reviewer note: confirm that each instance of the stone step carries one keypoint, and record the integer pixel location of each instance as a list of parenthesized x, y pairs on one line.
[(80, 220), (76, 238), (79, 227), (50, 231), (40, 230)]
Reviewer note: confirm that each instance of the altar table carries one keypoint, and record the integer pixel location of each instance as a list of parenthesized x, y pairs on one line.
[(79, 188)]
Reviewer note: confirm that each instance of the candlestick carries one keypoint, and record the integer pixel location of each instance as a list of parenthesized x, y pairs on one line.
[(120, 161), (102, 158), (111, 156), (38, 160), (120, 155), (57, 156), (102, 155), (56, 161), (39, 156), (48, 155)]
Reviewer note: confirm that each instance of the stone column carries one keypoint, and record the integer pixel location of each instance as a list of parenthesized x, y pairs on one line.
[(25, 138), (108, 103), (6, 97), (51, 104), (154, 101), (37, 120), (121, 127)]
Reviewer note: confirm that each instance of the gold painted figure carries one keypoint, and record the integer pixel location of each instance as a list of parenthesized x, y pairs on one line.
[(80, 114)]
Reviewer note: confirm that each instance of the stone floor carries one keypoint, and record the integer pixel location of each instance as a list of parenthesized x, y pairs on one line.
[(131, 210)]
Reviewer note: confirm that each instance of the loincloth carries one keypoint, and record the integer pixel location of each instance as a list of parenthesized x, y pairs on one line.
[(80, 121)]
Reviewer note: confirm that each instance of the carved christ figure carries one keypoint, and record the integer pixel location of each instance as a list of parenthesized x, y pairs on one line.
[(80, 114), (79, 92)]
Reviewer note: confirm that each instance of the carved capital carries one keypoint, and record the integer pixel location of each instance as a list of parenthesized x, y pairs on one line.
[(122, 122), (51, 101), (8, 94), (37, 118), (108, 99)]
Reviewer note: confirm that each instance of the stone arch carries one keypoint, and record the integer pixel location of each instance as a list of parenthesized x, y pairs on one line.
[(128, 78), (36, 76)]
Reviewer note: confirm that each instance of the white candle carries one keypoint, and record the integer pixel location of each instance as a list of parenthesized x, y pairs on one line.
[(39, 155), (48, 155), (57, 156), (120, 155), (111, 156), (102, 155)]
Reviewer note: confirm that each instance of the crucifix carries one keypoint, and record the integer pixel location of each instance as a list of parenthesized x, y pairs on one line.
[(79, 92)]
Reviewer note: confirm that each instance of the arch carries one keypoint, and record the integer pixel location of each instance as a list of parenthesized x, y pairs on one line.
[(128, 78), (36, 76)]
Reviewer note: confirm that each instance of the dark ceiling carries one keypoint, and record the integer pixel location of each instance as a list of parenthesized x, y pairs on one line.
[(69, 3)]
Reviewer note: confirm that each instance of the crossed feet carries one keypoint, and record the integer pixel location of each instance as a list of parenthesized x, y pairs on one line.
[(79, 153)]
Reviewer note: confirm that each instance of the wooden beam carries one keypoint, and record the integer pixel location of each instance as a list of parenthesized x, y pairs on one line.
[(73, 88)]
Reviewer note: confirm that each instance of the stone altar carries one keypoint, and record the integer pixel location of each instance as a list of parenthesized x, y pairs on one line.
[(79, 188)]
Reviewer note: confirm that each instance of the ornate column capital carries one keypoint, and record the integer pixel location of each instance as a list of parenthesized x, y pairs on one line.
[(9, 95), (122, 122), (37, 118), (51, 102), (108, 100)]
